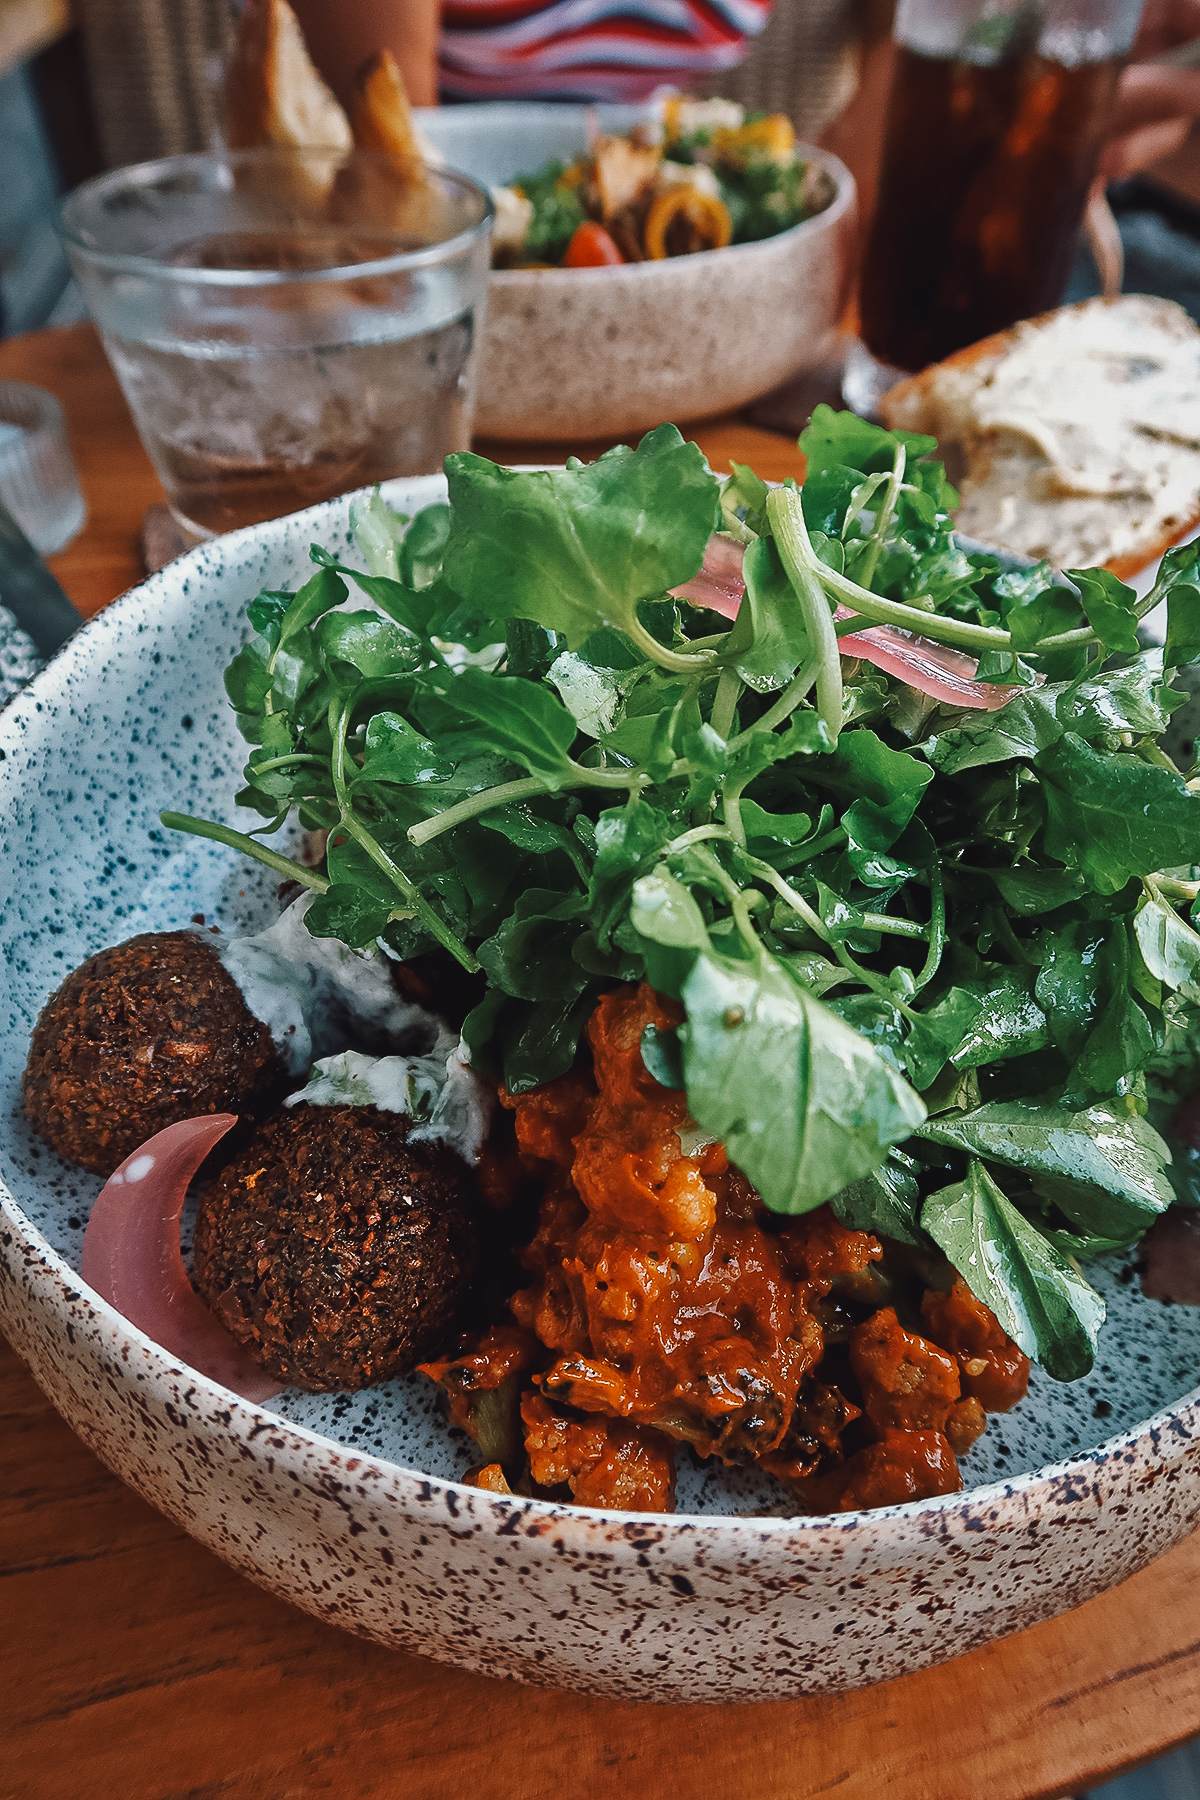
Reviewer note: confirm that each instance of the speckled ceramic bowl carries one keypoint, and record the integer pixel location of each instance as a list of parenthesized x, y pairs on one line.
[(348, 1505), (574, 353)]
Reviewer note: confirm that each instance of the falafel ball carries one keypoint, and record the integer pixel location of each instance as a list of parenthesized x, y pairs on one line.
[(334, 1249), (146, 1033)]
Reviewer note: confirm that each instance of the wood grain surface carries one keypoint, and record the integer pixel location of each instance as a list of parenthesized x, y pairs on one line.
[(135, 1666)]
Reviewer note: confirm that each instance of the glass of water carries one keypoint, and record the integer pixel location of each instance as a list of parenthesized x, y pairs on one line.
[(285, 325)]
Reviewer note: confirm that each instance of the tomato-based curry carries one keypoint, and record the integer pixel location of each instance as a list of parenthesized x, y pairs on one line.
[(666, 1305)]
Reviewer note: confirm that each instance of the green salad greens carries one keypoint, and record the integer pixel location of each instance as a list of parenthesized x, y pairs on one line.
[(940, 965)]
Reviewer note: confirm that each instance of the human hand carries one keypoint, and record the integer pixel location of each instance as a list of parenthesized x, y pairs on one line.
[(1158, 101)]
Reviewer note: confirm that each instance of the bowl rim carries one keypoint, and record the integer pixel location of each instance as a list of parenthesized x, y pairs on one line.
[(1180, 1416), (844, 202)]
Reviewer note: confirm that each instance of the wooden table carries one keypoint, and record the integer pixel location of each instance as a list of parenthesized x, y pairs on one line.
[(135, 1666)]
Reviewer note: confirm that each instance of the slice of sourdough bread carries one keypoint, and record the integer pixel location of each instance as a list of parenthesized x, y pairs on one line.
[(1079, 432)]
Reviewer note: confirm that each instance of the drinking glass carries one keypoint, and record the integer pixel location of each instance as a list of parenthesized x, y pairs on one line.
[(38, 483), (997, 115), (285, 325)]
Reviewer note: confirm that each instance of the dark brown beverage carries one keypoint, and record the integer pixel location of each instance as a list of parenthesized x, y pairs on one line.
[(986, 171)]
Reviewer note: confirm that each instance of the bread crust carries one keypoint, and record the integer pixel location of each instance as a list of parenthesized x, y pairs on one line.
[(919, 403), (273, 93)]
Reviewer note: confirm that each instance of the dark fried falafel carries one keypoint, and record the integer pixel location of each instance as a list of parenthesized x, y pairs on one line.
[(144, 1034), (336, 1251)]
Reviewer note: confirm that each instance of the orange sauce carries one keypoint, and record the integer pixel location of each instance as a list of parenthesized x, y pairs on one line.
[(666, 1305)]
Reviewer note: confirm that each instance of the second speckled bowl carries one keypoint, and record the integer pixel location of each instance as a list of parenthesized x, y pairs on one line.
[(576, 353)]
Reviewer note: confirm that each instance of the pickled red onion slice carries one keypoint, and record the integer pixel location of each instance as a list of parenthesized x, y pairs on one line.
[(131, 1256), (932, 669), (718, 583)]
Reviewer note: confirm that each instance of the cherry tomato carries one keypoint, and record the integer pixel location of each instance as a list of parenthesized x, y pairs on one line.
[(591, 248)]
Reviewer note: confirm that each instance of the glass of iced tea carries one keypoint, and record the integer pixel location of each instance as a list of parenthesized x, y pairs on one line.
[(285, 325), (998, 112)]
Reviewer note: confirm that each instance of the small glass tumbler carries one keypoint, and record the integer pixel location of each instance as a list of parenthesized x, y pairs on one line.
[(38, 483), (285, 325), (997, 115)]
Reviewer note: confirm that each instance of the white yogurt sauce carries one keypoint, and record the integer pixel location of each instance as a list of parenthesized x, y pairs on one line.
[(438, 1090), (317, 997)]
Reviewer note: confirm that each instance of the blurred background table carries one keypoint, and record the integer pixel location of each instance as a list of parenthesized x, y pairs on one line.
[(133, 1663)]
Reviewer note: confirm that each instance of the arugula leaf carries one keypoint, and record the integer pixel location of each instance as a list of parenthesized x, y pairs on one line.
[(744, 504), (662, 1055), (1170, 947), (1183, 625), (1033, 604), (349, 911), (1099, 1146), (769, 639), (1132, 699), (1008, 1023), (528, 831), (672, 930), (373, 645), (577, 549), (591, 694), (408, 608), (803, 1104), (1069, 982), (248, 681), (842, 437), (826, 497), (1036, 891), (1122, 1042), (806, 735), (893, 781), (1110, 607), (378, 530), (1043, 1303), (628, 841), (394, 752), (1112, 817), (1028, 723), (1179, 584), (940, 1031), (765, 830), (319, 595), (886, 1202), (527, 1044), (510, 716), (530, 957), (1105, 1217), (423, 546)]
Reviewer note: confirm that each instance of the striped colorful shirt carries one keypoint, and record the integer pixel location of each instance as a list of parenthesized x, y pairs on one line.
[(616, 50)]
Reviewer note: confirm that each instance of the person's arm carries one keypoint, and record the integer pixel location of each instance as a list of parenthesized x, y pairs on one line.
[(1159, 101), (342, 34)]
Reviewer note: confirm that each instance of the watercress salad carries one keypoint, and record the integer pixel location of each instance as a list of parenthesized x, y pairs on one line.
[(940, 966)]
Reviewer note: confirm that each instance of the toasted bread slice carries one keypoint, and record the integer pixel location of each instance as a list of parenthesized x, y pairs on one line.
[(273, 94), (1080, 432), (393, 190), (382, 119)]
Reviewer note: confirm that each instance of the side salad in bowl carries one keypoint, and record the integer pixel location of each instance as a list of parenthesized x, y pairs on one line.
[(705, 175), (817, 899)]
